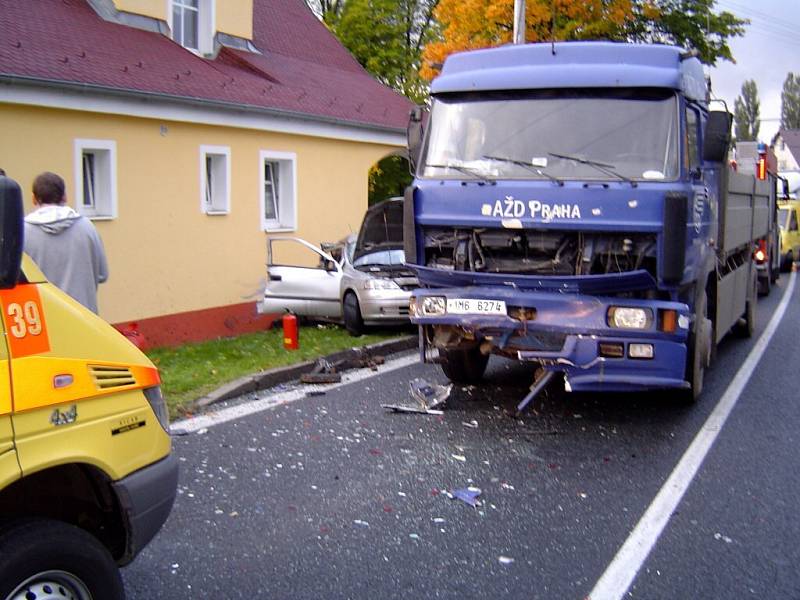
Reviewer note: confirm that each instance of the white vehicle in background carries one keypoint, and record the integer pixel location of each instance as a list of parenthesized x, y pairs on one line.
[(359, 280)]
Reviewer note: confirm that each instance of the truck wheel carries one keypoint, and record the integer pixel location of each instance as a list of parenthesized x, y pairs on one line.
[(352, 315), (464, 366), (746, 326), (699, 350), (49, 559), (765, 280)]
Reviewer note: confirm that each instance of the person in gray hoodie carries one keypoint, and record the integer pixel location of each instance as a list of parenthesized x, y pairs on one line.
[(64, 244)]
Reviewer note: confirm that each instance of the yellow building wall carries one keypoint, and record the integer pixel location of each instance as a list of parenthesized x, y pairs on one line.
[(166, 256), (235, 17), (157, 9)]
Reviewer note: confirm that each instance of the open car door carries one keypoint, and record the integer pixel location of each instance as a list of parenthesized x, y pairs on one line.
[(301, 279)]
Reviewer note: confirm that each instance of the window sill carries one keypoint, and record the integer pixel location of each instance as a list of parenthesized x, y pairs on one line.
[(217, 213), (99, 217), (279, 229)]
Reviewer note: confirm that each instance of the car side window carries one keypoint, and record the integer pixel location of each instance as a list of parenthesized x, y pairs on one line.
[(291, 253)]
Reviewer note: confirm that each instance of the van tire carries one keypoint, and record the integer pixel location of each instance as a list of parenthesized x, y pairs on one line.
[(353, 321), (41, 554), (463, 366)]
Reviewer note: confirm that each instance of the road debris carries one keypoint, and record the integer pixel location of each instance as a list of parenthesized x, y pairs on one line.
[(505, 560), (361, 523), (426, 398), (325, 371), (468, 495), (472, 424), (459, 457)]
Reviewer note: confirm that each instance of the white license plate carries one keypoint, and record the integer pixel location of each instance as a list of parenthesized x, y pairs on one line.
[(472, 306)]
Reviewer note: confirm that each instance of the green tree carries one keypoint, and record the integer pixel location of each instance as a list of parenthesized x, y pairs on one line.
[(387, 178), (745, 113), (790, 102), (386, 38), (691, 24)]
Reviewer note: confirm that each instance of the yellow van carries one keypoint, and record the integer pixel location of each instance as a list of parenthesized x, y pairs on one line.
[(788, 219), (87, 477)]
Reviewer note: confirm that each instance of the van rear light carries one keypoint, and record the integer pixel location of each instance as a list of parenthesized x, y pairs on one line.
[(159, 406)]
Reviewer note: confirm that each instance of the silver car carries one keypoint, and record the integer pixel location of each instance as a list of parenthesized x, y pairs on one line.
[(360, 280)]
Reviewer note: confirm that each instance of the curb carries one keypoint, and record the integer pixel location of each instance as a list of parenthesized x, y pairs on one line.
[(272, 377)]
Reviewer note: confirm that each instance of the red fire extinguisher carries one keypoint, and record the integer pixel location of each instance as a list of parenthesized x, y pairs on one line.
[(291, 339)]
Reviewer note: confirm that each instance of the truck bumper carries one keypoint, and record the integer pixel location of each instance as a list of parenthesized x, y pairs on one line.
[(567, 333), (146, 499)]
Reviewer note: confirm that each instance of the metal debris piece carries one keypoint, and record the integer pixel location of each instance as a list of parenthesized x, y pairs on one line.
[(323, 372), (361, 523), (468, 495), (472, 424), (540, 381), (403, 408), (505, 560), (429, 395)]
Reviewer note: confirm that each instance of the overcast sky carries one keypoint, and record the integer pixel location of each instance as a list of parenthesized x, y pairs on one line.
[(768, 51)]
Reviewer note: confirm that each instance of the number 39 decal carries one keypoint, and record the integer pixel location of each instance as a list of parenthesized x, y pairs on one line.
[(24, 321)]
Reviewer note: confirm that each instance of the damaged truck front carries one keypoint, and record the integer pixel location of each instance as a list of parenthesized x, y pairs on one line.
[(573, 207)]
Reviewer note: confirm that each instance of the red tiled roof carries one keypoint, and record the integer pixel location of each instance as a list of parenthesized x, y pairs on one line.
[(303, 68)]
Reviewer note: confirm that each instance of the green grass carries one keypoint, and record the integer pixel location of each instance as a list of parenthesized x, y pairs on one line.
[(193, 370)]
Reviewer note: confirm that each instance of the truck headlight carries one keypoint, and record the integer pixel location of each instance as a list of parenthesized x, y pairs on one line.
[(624, 317), (380, 284), (428, 306)]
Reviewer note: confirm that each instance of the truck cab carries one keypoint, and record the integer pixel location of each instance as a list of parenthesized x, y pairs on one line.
[(570, 208), (87, 476)]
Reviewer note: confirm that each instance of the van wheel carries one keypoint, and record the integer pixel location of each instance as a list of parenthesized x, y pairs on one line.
[(49, 559), (463, 366), (353, 321), (786, 265)]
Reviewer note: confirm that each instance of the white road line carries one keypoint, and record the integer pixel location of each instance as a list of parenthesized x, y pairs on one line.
[(619, 575), (272, 400)]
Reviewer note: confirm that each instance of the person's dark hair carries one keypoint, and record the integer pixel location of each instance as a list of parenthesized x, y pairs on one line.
[(2, 172), (48, 188)]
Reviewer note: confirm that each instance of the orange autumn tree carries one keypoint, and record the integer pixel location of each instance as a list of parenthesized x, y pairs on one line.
[(472, 24)]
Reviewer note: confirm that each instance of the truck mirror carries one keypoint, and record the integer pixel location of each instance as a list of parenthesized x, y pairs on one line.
[(11, 232), (717, 136), (414, 133)]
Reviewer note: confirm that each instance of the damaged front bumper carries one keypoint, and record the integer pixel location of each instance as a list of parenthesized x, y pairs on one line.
[(570, 333)]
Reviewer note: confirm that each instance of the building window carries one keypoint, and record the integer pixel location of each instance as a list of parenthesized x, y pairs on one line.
[(96, 178), (192, 23), (215, 179), (278, 190)]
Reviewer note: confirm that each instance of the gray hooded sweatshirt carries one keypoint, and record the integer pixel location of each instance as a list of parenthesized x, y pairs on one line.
[(68, 250)]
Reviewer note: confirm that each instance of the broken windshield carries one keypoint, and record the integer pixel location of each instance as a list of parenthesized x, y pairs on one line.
[(554, 134)]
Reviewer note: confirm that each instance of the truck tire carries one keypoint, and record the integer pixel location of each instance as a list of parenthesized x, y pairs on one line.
[(765, 280), (698, 355), (42, 558), (463, 366), (746, 326), (353, 321)]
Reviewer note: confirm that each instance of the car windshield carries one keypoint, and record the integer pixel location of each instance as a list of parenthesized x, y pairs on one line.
[(563, 134), (391, 257)]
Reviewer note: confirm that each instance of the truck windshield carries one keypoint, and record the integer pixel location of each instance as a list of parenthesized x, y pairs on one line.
[(626, 134)]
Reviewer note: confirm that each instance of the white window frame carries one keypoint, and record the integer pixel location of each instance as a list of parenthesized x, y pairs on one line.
[(221, 155), (104, 205), (287, 191), (206, 25)]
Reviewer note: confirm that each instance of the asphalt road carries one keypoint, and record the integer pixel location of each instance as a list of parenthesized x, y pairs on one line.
[(331, 496)]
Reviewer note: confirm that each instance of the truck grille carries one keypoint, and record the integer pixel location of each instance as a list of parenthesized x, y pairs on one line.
[(111, 377)]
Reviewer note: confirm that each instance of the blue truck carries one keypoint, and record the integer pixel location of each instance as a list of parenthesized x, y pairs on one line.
[(573, 206)]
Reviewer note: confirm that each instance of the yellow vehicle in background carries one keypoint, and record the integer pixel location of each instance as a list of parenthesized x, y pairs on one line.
[(788, 220), (87, 477)]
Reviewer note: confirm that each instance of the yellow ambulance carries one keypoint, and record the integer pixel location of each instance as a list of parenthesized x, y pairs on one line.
[(87, 477), (789, 222)]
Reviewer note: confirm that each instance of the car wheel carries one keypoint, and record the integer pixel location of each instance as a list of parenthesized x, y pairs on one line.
[(353, 321), (42, 558), (463, 366)]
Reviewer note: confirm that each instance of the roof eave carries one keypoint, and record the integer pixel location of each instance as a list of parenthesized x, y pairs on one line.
[(10, 79)]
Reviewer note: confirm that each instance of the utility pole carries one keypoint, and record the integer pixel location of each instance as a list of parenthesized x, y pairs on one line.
[(519, 21)]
